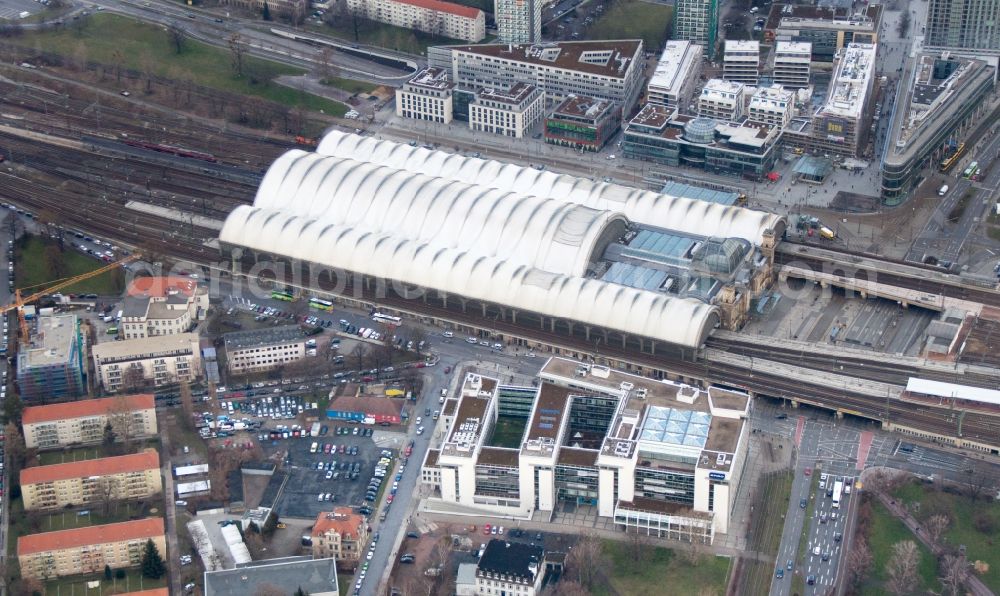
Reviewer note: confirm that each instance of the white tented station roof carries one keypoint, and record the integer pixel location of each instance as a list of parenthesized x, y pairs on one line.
[(678, 214), (951, 390)]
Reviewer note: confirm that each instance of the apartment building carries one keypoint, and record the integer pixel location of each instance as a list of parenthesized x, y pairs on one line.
[(676, 74), (162, 306), (82, 422), (697, 21), (426, 96), (610, 70), (340, 534), (264, 349), (157, 360), (658, 457), (508, 112), (445, 19), (722, 100), (583, 123), (792, 61), (519, 21), (510, 568), (82, 483), (741, 61), (87, 550), (772, 105), (52, 365)]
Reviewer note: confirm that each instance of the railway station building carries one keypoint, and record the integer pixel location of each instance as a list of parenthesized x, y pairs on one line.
[(661, 458)]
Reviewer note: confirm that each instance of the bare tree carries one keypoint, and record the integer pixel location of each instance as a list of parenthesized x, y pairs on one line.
[(107, 489), (121, 417), (978, 483), (637, 546), (133, 378), (565, 587), (360, 352), (237, 54), (859, 560), (586, 562), (178, 37), (118, 59), (953, 568), (187, 405), (327, 69), (935, 526), (16, 450), (902, 568)]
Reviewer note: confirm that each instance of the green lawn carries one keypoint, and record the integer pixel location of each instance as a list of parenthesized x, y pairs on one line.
[(111, 39), (384, 35), (631, 19), (886, 531), (77, 584), (979, 546), (47, 458), (508, 432), (349, 85), (66, 520), (345, 581), (34, 270), (663, 567)]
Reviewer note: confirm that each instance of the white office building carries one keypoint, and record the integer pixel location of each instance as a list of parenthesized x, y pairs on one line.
[(772, 105), (518, 21), (430, 16), (741, 61), (157, 360), (264, 349), (659, 457), (791, 64), (510, 112), (676, 74), (722, 100), (426, 96)]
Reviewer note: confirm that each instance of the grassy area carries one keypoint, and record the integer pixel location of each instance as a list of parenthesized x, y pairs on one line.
[(67, 520), (508, 432), (48, 458), (886, 531), (959, 209), (345, 583), (993, 232), (663, 567), (384, 35), (113, 39), (349, 85), (35, 270), (77, 584), (180, 437), (631, 19), (979, 545)]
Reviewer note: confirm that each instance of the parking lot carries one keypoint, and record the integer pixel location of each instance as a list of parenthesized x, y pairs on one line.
[(12, 9), (348, 473)]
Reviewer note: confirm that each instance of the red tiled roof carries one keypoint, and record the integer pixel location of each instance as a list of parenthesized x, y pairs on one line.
[(85, 407), (159, 286), (455, 9), (150, 527), (105, 466), (341, 520)]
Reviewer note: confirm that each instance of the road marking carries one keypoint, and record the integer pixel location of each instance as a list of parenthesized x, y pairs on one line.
[(864, 445), (799, 427)]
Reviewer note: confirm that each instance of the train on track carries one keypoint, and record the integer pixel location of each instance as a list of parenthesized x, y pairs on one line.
[(178, 151)]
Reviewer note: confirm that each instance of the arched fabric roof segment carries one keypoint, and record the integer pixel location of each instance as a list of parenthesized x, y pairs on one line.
[(541, 232), (683, 322), (672, 213)]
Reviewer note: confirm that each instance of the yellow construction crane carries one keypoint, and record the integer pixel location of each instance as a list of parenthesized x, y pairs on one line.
[(20, 301)]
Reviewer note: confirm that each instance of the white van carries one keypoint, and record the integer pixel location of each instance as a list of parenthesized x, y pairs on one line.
[(943, 190)]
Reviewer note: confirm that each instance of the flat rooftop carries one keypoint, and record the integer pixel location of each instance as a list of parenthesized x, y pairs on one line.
[(742, 45), (514, 96), (608, 58), (267, 336), (722, 86), (793, 47), (470, 419), (431, 78), (851, 80), (550, 407), (53, 341), (498, 456), (675, 64), (147, 346), (662, 507), (582, 107), (572, 456), (795, 15)]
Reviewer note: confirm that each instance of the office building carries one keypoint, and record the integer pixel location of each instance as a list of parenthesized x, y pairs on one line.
[(610, 70), (948, 97), (963, 25), (82, 422), (510, 568), (697, 21), (316, 577), (745, 149), (583, 123), (827, 29), (158, 360), (722, 100), (340, 534), (89, 549), (162, 306), (840, 126), (741, 62), (518, 21), (264, 349), (658, 457), (445, 19), (772, 105), (426, 96), (51, 366), (676, 74), (791, 64), (91, 482), (508, 112)]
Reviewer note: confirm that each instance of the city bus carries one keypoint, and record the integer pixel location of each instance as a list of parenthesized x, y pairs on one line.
[(950, 162), (387, 319), (280, 295), (838, 490), (320, 304), (972, 170)]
